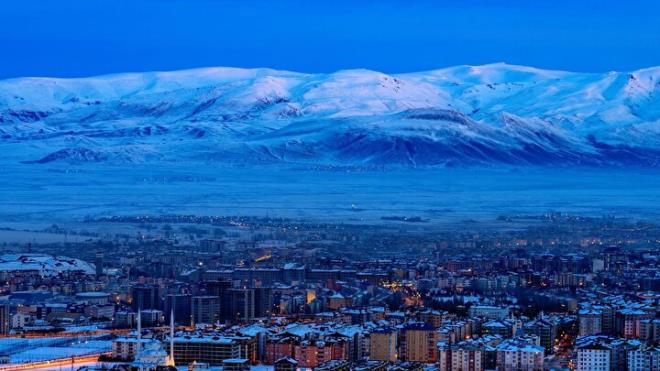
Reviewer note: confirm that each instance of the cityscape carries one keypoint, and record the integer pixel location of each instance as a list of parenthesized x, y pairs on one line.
[(242, 293), (291, 185)]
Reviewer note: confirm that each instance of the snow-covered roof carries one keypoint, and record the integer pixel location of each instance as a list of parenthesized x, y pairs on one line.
[(46, 265)]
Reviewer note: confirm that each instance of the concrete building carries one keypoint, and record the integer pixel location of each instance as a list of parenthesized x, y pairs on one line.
[(181, 306), (205, 309), (463, 356), (145, 297), (383, 345), (206, 349), (5, 318), (591, 322), (489, 312), (514, 355), (594, 357), (421, 341), (644, 359)]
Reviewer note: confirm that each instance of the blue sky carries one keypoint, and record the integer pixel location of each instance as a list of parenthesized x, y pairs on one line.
[(88, 37)]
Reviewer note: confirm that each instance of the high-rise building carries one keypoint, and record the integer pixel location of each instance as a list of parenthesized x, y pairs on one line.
[(628, 322), (383, 345), (608, 316), (604, 352), (591, 322), (151, 317), (145, 297), (421, 341), (217, 287), (594, 357), (650, 330), (293, 272), (237, 305), (263, 302), (180, 305), (463, 356), (125, 319), (644, 359), (5, 318), (205, 309), (546, 330), (98, 263)]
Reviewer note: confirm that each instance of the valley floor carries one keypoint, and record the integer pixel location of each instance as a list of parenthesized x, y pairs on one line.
[(34, 195)]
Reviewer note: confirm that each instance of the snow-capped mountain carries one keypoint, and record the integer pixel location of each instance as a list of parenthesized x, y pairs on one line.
[(464, 115)]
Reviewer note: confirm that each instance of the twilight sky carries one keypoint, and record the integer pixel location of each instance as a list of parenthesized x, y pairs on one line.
[(88, 37)]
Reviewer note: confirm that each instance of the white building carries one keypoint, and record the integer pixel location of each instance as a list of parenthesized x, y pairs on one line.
[(647, 359), (516, 355), (489, 312), (594, 357), (591, 322), (126, 348)]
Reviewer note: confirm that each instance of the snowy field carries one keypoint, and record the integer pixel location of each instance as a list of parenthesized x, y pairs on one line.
[(42, 349), (40, 196)]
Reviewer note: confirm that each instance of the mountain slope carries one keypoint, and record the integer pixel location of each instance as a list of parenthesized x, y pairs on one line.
[(464, 115)]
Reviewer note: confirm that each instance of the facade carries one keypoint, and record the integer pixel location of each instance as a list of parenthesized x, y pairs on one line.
[(546, 330), (286, 364), (591, 322), (5, 318), (489, 312), (93, 297), (98, 263), (211, 350), (644, 359), (145, 297), (312, 354), (238, 305), (125, 319), (421, 342), (181, 306), (650, 330), (383, 345), (629, 322), (594, 357), (464, 356), (205, 309), (279, 348), (513, 355), (100, 311), (152, 317), (263, 302), (125, 349)]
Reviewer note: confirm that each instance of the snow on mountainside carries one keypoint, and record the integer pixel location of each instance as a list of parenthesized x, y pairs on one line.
[(464, 115)]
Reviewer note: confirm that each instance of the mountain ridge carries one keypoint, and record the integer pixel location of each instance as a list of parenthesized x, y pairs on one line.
[(457, 116)]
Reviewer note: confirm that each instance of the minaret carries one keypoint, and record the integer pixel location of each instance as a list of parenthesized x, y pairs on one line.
[(170, 358), (139, 336)]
